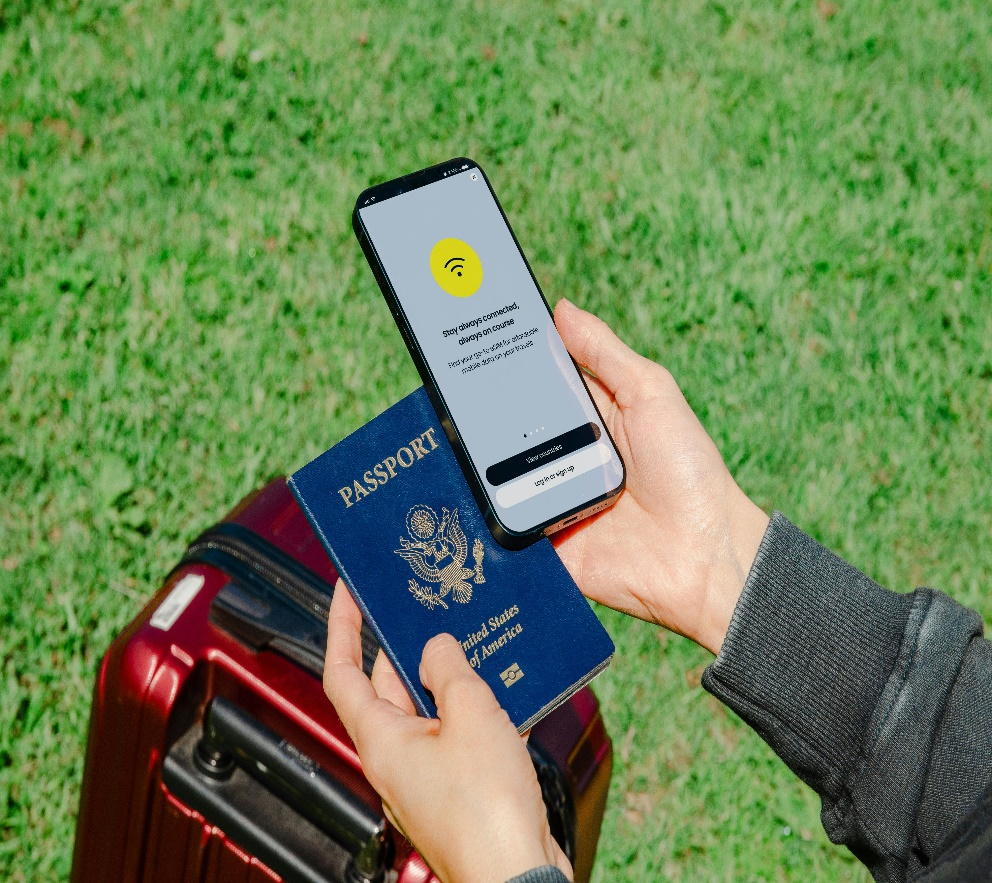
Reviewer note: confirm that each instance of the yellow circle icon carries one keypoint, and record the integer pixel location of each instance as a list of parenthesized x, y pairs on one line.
[(456, 267)]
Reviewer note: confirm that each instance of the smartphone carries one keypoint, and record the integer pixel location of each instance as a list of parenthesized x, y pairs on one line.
[(514, 405)]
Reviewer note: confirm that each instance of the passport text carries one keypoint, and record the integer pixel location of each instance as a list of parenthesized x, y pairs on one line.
[(414, 450)]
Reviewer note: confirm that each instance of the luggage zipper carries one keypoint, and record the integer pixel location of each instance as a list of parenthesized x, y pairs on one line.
[(275, 601), (295, 580)]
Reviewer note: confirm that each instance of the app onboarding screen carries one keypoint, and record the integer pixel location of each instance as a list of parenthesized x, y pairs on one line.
[(515, 396)]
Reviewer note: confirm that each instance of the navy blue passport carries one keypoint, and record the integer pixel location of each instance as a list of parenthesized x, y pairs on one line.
[(394, 511)]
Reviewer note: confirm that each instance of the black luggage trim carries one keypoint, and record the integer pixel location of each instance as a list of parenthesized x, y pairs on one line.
[(298, 582), (282, 604), (557, 799)]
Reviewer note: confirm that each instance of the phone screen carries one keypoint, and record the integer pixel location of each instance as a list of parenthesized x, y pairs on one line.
[(516, 399)]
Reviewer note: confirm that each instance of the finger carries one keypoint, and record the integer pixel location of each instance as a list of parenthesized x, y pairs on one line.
[(457, 689), (566, 542), (350, 692), (605, 403), (388, 812), (593, 345), (387, 684), (575, 542), (600, 394)]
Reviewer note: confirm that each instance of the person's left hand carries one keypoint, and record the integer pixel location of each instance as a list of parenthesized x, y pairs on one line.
[(461, 788)]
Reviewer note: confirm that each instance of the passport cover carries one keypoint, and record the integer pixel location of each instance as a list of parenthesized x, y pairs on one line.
[(393, 510)]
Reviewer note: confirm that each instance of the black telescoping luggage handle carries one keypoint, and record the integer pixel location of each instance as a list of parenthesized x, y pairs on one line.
[(231, 735)]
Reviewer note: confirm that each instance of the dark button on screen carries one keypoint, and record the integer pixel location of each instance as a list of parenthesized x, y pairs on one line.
[(546, 452)]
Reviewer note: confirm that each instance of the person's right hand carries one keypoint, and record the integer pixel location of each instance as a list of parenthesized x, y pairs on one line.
[(461, 787), (676, 547)]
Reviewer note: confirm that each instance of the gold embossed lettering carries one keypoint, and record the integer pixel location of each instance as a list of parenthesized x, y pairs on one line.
[(429, 435), (418, 447), (378, 475)]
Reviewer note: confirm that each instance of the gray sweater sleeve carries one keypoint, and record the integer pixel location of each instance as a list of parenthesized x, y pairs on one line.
[(547, 874), (881, 702)]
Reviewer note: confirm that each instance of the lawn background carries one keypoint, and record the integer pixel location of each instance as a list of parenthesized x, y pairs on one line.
[(787, 204)]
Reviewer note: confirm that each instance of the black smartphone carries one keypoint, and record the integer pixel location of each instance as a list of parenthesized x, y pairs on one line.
[(512, 402)]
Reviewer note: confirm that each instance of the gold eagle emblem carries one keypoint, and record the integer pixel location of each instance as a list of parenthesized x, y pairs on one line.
[(436, 551)]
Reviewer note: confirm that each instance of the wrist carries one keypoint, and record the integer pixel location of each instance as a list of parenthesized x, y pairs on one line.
[(536, 854), (509, 856), (748, 524)]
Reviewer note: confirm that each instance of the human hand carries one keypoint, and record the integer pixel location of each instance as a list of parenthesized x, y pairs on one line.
[(676, 547), (461, 788)]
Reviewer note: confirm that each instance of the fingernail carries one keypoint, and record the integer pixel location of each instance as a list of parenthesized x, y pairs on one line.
[(440, 640)]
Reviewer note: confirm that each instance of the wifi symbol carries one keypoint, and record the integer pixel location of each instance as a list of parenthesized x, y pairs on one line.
[(457, 265)]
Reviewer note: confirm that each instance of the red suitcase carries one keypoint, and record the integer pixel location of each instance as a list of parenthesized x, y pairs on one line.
[(214, 755)]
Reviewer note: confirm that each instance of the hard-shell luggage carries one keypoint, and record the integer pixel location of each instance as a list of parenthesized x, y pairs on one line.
[(214, 755)]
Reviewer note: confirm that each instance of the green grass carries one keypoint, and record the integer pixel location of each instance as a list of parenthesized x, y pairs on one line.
[(789, 208)]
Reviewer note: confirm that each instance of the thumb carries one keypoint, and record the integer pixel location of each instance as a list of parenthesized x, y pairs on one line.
[(456, 686), (591, 342)]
